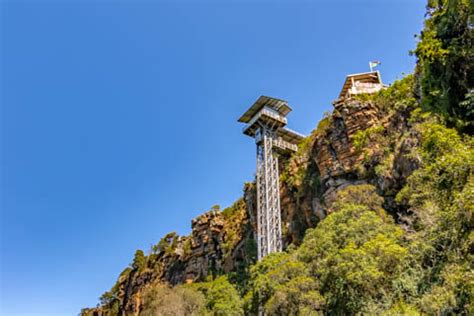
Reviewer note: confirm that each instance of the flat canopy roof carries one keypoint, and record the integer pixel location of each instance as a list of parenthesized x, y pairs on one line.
[(373, 77), (290, 135), (281, 106)]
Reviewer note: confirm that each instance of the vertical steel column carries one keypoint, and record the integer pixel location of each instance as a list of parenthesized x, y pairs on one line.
[(261, 196), (268, 195)]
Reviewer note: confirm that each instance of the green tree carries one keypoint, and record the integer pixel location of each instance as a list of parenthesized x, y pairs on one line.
[(282, 286), (167, 244), (110, 301), (445, 65), (139, 261), (356, 253), (221, 296)]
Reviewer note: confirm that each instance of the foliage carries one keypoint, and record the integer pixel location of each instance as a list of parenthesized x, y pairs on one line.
[(228, 212), (402, 308), (348, 264), (139, 260), (233, 216), (440, 196), (324, 124), (111, 301), (454, 294), (187, 246), (300, 171), (251, 249), (358, 260), (362, 194), (282, 286), (163, 300), (167, 244), (221, 297), (446, 61), (396, 100), (356, 253), (240, 276), (399, 97), (379, 143), (362, 138)]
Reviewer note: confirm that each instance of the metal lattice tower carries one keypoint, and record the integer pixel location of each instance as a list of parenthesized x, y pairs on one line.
[(266, 121)]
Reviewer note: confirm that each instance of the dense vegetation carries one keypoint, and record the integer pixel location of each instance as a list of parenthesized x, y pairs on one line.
[(446, 62), (364, 258), (358, 260)]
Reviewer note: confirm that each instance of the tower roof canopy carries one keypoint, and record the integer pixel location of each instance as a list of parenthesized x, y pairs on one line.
[(281, 106)]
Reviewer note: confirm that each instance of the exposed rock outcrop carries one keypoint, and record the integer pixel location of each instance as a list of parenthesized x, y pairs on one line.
[(328, 160), (215, 246), (334, 151), (341, 164)]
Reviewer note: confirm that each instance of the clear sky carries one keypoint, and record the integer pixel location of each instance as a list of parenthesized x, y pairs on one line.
[(119, 120)]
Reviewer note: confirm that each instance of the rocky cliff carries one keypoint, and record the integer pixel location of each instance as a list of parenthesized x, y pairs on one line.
[(220, 242), (348, 147), (406, 151)]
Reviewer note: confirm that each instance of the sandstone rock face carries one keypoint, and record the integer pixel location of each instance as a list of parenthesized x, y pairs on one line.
[(206, 249), (214, 246), (310, 180), (339, 163), (297, 212), (334, 151), (334, 163), (328, 165)]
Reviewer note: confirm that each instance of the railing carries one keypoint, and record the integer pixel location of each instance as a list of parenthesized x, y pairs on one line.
[(364, 87), (283, 144), (266, 111)]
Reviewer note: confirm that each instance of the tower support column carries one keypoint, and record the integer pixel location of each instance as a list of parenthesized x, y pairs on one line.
[(268, 195), (265, 121)]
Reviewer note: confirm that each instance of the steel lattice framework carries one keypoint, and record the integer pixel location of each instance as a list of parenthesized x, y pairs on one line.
[(266, 120), (268, 195)]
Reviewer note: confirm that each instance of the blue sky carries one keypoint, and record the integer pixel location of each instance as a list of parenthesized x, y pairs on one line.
[(118, 120)]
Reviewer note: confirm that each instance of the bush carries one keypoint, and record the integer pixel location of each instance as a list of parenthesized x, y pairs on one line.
[(361, 194), (363, 138), (399, 97), (221, 297), (163, 300)]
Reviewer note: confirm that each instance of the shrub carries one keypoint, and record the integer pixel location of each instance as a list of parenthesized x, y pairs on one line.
[(221, 297), (160, 299)]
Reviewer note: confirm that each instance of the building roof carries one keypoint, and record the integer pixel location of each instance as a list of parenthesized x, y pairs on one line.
[(373, 77), (281, 106)]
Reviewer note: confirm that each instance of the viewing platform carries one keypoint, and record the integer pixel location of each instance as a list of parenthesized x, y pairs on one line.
[(361, 83), (271, 113)]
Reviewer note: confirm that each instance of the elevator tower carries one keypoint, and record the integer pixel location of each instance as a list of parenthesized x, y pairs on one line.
[(265, 121)]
